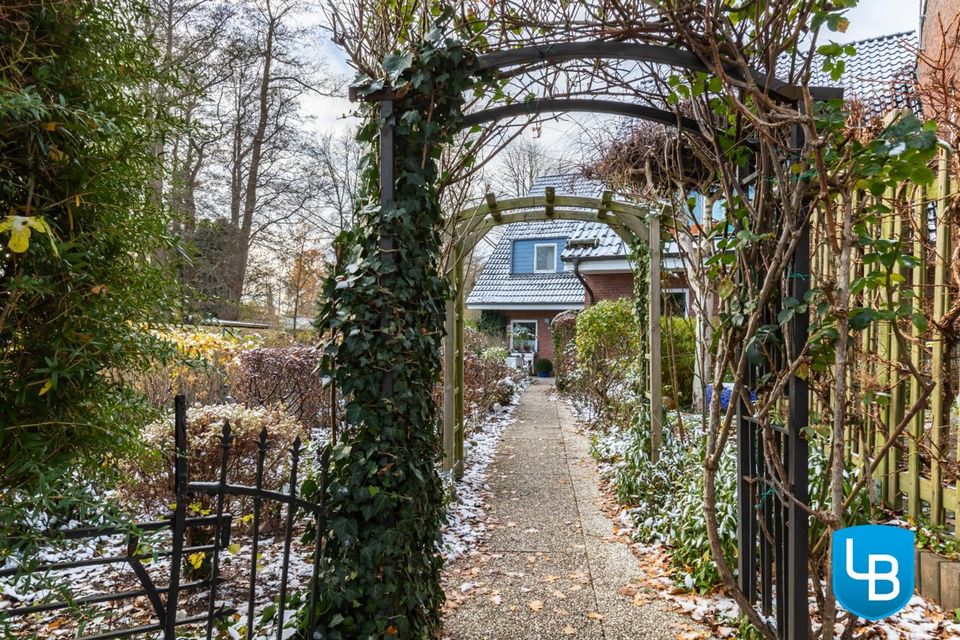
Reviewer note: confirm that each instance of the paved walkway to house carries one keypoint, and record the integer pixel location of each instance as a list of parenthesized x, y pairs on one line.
[(551, 567)]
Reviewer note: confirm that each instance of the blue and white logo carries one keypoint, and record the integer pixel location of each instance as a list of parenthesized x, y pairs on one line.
[(873, 569)]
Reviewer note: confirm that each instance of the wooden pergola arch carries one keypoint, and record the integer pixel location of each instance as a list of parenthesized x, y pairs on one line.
[(631, 222)]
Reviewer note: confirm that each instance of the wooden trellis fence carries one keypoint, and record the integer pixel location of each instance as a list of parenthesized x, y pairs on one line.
[(918, 473)]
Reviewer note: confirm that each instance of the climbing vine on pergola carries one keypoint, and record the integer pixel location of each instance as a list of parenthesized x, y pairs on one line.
[(387, 306)]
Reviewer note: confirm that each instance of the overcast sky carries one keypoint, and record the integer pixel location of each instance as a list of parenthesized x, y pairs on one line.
[(870, 19)]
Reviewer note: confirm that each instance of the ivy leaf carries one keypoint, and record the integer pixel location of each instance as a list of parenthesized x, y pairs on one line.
[(395, 64)]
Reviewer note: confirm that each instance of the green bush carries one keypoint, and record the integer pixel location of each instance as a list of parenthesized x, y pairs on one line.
[(78, 161), (665, 498), (544, 366), (607, 340), (678, 348), (564, 330), (492, 323)]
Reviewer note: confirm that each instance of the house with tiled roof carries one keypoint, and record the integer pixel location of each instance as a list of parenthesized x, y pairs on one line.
[(881, 76), (539, 269)]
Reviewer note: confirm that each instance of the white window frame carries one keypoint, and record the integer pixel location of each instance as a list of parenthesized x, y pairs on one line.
[(536, 334), (686, 300), (553, 264)]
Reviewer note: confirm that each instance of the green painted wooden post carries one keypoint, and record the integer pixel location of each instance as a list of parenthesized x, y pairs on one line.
[(941, 403), (653, 328), (895, 408), (866, 440), (918, 278), (449, 384), (459, 353)]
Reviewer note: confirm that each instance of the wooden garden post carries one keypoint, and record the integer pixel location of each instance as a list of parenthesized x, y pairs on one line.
[(449, 382), (940, 360), (459, 353), (653, 331)]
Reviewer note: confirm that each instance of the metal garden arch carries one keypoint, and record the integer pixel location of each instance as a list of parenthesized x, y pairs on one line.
[(769, 572)]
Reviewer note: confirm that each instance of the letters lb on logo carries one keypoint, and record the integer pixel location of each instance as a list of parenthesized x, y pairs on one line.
[(873, 569)]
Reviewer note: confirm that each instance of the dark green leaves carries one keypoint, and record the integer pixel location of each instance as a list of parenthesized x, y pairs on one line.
[(382, 568), (395, 65)]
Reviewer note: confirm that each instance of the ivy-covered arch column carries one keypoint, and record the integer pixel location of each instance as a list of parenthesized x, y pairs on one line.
[(380, 570)]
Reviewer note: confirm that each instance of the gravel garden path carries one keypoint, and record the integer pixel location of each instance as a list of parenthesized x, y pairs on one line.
[(552, 565)]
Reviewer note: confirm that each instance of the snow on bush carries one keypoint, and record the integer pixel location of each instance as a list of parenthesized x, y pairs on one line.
[(149, 485)]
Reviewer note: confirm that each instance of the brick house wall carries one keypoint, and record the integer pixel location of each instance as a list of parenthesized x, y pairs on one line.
[(608, 286), (544, 335), (931, 38), (614, 286)]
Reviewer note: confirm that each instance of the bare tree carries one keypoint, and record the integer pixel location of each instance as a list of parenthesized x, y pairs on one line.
[(514, 170), (335, 171), (303, 270), (262, 149)]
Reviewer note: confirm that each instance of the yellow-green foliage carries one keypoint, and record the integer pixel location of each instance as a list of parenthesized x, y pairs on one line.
[(607, 331), (78, 159)]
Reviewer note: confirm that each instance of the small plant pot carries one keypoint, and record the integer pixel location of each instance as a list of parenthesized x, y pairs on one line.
[(544, 374)]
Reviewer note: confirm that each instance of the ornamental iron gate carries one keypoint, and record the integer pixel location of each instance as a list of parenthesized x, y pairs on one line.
[(196, 544)]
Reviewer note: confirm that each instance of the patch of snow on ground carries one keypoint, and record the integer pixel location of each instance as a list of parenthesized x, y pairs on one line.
[(465, 526)]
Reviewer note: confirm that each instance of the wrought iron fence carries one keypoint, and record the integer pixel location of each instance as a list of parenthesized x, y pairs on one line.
[(168, 616)]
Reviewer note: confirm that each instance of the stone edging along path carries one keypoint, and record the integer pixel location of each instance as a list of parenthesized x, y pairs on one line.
[(551, 566)]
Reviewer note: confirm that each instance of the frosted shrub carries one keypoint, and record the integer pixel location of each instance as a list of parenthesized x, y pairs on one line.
[(150, 485), (286, 377), (666, 498), (487, 382)]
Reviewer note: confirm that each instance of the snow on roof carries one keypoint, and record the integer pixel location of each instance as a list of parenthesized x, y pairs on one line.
[(498, 285)]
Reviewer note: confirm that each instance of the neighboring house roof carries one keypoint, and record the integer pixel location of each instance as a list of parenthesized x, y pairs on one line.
[(568, 184), (881, 76), (498, 286)]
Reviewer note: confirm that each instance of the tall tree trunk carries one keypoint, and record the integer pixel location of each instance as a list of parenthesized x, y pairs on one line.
[(242, 247)]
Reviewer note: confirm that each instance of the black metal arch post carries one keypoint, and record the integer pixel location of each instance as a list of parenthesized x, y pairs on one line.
[(787, 523)]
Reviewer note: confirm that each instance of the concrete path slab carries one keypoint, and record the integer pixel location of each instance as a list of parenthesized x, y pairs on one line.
[(551, 567)]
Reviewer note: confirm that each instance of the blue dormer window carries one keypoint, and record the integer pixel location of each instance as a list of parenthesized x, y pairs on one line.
[(537, 255), (545, 258)]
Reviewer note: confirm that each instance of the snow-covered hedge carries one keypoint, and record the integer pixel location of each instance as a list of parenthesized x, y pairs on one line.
[(665, 499)]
